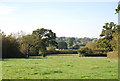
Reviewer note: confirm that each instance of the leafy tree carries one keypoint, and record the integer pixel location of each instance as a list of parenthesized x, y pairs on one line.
[(62, 45), (44, 38), (76, 46), (70, 42), (26, 43), (107, 34), (91, 45), (118, 8), (108, 30)]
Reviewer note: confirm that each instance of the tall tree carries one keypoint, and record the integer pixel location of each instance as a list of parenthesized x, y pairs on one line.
[(44, 38), (26, 43), (107, 34)]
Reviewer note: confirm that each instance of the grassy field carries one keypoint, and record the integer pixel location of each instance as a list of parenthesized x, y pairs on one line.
[(60, 67)]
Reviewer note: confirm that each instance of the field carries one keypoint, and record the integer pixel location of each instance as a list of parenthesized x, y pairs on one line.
[(60, 67)]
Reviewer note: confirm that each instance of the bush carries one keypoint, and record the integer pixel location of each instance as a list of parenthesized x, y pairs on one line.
[(84, 50), (67, 51), (62, 51), (10, 47), (113, 54), (91, 45), (51, 49)]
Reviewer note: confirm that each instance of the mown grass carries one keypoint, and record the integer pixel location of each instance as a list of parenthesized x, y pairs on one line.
[(60, 67), (0, 69)]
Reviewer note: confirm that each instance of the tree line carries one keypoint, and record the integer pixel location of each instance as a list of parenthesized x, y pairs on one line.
[(43, 40), (40, 42), (73, 43), (22, 46)]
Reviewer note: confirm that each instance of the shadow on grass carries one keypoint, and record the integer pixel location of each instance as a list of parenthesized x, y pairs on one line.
[(36, 57)]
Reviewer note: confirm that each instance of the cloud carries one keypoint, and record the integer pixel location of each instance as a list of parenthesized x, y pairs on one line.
[(6, 10)]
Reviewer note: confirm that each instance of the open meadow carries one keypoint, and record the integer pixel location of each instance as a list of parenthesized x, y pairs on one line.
[(60, 67), (59, 39)]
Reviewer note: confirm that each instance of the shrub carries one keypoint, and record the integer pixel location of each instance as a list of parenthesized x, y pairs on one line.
[(113, 54), (84, 50), (51, 49), (10, 47), (62, 51)]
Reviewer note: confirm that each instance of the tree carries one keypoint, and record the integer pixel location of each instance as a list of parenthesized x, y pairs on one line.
[(108, 30), (10, 47), (61, 39), (70, 42), (76, 46), (26, 43), (118, 8), (62, 45), (107, 34), (44, 38), (91, 45)]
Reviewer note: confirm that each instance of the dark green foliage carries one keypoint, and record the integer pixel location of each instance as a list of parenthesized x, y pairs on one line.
[(62, 51), (44, 39), (10, 47), (76, 46), (118, 8), (62, 45), (84, 50), (70, 42), (104, 44), (109, 37), (24, 46)]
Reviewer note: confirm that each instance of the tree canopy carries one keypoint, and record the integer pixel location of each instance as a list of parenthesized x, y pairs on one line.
[(44, 38)]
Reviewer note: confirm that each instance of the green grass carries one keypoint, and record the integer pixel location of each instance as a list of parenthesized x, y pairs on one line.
[(60, 67), (0, 69)]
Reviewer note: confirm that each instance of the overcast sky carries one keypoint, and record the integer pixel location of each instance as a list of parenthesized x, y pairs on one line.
[(70, 19)]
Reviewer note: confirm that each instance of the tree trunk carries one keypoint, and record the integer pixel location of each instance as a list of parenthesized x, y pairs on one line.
[(43, 55)]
